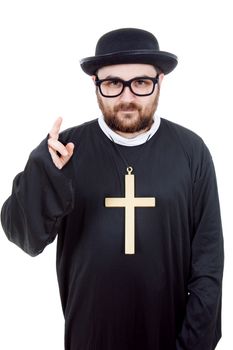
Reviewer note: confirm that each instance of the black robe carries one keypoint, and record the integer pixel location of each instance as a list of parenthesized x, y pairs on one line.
[(167, 295)]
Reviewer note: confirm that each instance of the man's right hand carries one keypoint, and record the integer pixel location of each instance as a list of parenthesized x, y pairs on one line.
[(56, 146)]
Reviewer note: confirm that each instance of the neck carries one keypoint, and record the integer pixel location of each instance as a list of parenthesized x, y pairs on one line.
[(131, 135), (130, 139)]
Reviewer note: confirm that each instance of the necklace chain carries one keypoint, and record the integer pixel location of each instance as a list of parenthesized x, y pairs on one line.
[(125, 161)]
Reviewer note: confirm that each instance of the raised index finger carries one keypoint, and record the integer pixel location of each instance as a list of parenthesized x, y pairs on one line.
[(54, 133)]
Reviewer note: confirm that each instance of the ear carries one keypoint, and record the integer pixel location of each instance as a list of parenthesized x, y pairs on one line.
[(161, 76), (93, 78)]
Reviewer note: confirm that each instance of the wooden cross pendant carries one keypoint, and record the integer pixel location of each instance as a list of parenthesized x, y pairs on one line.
[(129, 202)]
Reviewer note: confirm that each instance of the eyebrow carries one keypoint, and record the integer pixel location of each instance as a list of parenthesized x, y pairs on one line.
[(116, 77), (112, 77)]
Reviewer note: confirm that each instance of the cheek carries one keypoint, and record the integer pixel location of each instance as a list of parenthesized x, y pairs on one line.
[(105, 103), (145, 105), (109, 104), (151, 101)]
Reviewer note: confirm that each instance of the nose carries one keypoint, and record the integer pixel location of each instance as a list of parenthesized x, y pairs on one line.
[(127, 95)]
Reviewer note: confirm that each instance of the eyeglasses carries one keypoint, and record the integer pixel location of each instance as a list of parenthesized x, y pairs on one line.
[(139, 86)]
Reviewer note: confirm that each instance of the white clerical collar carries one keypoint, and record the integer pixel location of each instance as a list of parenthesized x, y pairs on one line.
[(124, 141)]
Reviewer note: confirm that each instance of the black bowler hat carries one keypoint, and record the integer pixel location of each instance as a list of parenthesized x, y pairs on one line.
[(128, 45)]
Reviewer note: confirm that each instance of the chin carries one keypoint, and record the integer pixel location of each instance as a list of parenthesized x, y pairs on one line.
[(128, 122), (128, 116)]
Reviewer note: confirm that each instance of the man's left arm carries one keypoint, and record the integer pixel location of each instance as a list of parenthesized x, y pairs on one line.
[(201, 329)]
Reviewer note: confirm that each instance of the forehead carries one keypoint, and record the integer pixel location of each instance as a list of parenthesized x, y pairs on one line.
[(126, 71)]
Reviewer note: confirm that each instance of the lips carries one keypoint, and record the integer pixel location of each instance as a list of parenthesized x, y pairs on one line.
[(128, 110), (129, 107)]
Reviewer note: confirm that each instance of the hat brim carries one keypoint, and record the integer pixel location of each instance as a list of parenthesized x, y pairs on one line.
[(164, 60)]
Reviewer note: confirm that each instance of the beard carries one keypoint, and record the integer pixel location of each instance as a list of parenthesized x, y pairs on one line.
[(129, 117)]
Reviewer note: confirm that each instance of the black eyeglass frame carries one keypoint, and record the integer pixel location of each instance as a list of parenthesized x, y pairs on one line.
[(127, 83)]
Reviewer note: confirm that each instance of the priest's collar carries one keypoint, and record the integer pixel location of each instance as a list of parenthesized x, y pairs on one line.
[(124, 141)]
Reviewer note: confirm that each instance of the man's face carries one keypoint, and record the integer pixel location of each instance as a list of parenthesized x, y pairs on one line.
[(128, 113)]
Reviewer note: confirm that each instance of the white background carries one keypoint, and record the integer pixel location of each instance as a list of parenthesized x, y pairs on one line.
[(41, 43)]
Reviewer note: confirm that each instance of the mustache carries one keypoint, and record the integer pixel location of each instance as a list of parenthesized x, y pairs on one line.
[(131, 106)]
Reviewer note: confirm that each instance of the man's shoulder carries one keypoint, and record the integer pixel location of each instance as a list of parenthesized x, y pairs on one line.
[(187, 137), (192, 144), (182, 131), (77, 132)]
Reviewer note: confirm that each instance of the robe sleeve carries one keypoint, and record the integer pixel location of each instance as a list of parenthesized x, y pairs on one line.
[(201, 329), (42, 195)]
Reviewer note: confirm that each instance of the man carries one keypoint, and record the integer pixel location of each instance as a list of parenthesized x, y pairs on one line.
[(133, 201)]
